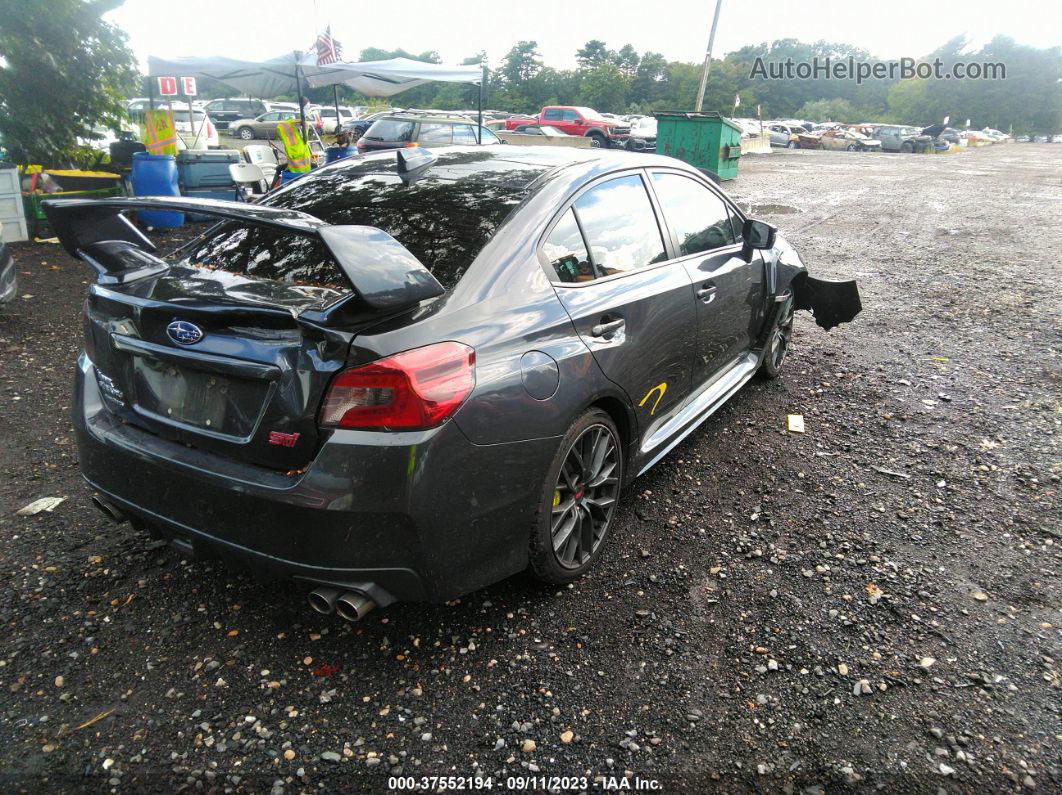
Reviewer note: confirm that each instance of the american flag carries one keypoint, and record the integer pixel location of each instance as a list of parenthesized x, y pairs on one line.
[(328, 49)]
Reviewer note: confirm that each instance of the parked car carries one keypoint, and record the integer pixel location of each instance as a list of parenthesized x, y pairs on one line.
[(783, 134), (263, 126), (839, 138), (643, 135), (403, 129), (902, 138), (197, 132), (540, 129), (358, 127), (996, 136), (225, 111), (328, 117), (573, 120), (8, 276), (104, 136), (408, 375)]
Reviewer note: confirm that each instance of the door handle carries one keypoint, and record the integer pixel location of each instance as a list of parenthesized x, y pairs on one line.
[(607, 329), (706, 292)]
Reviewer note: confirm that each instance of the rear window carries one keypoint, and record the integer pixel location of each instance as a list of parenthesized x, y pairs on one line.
[(445, 223), (390, 130)]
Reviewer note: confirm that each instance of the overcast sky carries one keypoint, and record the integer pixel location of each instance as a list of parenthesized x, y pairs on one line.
[(676, 28)]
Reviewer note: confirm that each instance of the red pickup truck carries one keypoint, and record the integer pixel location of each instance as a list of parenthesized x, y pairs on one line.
[(578, 121)]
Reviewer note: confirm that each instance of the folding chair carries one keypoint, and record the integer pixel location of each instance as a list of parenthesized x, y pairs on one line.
[(265, 157), (249, 180)]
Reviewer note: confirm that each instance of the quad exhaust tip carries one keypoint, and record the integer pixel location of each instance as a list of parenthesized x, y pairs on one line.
[(349, 605)]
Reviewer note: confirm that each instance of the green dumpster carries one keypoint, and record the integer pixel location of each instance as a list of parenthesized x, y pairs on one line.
[(705, 140)]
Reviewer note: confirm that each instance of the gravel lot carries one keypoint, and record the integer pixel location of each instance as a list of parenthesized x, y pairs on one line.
[(871, 604)]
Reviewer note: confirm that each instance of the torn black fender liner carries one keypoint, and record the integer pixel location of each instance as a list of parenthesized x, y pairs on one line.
[(831, 302)]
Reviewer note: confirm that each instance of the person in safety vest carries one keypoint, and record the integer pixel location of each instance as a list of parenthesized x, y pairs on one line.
[(160, 135), (294, 146)]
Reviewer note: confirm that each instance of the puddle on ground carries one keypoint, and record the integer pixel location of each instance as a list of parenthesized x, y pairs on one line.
[(770, 209)]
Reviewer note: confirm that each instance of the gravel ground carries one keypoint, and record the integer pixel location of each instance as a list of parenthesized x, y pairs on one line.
[(871, 604)]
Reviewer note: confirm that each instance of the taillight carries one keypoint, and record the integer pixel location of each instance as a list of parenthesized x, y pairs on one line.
[(414, 390)]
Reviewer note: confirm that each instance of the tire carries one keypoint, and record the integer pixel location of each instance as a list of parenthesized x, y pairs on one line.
[(777, 346), (245, 133), (907, 148), (792, 145), (851, 148), (598, 141), (575, 515)]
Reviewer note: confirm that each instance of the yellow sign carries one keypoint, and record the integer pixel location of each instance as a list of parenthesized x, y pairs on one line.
[(661, 388), (294, 146), (160, 135)]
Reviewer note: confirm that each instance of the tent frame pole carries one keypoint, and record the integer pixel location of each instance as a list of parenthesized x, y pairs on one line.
[(479, 127), (298, 90), (335, 100)]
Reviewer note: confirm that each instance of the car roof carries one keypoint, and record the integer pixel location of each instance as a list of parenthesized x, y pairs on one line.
[(413, 116), (522, 166)]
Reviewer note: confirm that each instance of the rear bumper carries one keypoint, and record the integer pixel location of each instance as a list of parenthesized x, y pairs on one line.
[(410, 516)]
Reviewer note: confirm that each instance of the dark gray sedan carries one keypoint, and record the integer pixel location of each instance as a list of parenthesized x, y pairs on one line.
[(409, 376)]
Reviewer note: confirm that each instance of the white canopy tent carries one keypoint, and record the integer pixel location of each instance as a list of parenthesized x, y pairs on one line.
[(387, 78), (288, 73)]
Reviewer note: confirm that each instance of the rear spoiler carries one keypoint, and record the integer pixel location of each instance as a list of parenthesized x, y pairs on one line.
[(382, 273)]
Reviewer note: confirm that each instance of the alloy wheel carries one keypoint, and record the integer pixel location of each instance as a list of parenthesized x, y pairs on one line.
[(585, 496), (783, 333)]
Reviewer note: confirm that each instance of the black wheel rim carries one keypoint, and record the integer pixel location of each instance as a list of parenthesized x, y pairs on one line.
[(584, 497), (783, 333)]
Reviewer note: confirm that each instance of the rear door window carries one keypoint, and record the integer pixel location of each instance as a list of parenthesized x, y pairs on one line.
[(435, 133), (620, 226), (566, 251), (699, 220), (464, 134), (553, 114)]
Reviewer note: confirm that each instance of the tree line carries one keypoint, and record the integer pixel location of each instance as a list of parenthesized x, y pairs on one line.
[(66, 71), (1028, 101)]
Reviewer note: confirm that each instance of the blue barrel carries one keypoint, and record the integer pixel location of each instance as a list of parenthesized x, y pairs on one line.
[(156, 175), (289, 176), (334, 153)]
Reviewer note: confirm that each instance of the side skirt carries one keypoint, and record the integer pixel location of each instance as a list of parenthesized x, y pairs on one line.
[(700, 408)]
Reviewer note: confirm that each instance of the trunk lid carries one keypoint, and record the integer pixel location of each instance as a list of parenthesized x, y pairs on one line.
[(181, 356), (230, 344)]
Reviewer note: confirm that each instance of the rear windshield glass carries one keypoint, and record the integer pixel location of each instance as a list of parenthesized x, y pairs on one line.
[(443, 222), (390, 130)]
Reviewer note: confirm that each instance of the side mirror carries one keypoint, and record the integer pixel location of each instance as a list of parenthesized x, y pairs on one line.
[(758, 234)]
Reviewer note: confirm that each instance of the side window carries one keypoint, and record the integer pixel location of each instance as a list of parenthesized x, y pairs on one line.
[(432, 133), (488, 136), (569, 115), (567, 252), (271, 117), (464, 134), (620, 226), (553, 114), (699, 218)]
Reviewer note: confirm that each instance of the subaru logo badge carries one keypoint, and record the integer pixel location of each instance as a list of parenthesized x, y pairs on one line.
[(184, 333)]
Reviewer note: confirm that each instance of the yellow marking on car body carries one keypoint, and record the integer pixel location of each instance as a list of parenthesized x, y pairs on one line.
[(662, 388)]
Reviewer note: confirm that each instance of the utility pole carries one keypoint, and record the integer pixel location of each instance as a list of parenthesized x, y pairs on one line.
[(708, 56)]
